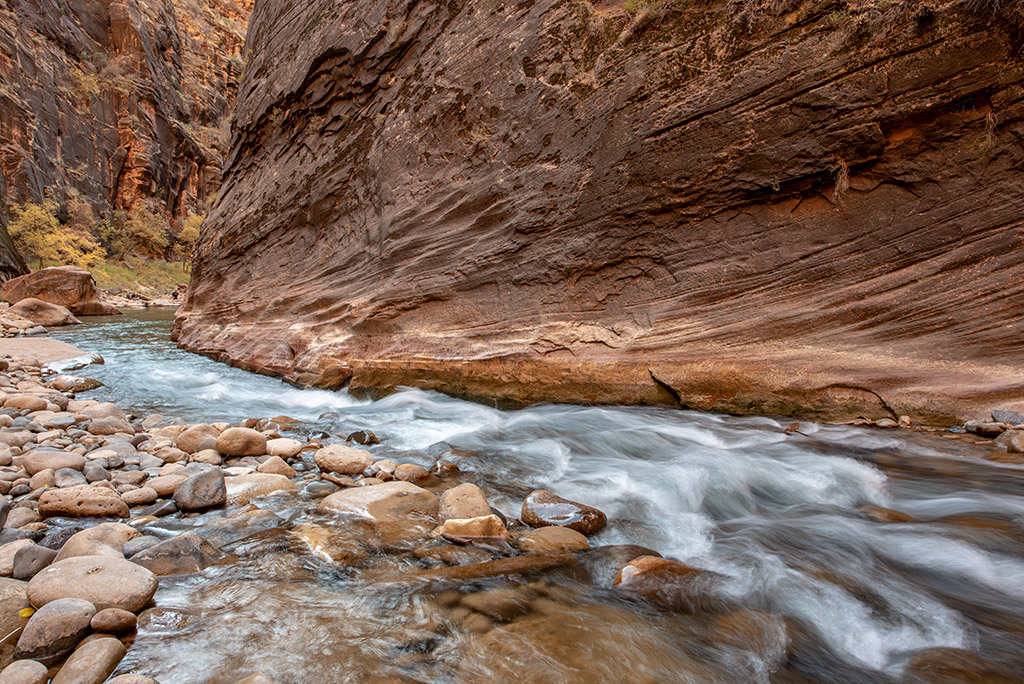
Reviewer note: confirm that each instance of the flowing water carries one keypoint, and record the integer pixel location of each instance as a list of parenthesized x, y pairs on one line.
[(808, 588)]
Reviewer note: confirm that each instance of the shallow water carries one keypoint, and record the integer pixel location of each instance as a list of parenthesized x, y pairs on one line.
[(832, 594)]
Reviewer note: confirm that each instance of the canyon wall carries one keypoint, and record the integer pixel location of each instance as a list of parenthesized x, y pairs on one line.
[(117, 100), (813, 209)]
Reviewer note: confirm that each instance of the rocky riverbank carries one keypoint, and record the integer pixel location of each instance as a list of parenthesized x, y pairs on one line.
[(99, 505)]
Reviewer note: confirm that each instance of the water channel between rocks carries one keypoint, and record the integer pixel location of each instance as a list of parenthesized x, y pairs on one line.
[(809, 588)]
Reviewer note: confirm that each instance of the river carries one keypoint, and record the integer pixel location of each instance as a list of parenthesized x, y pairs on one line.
[(834, 594)]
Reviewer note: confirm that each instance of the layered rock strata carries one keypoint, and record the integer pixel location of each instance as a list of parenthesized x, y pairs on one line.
[(810, 209), (118, 101)]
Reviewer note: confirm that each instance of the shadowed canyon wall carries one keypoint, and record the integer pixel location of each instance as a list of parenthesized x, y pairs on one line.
[(813, 209), (117, 100)]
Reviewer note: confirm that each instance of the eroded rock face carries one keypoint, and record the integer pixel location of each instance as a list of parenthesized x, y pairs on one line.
[(119, 101), (561, 201)]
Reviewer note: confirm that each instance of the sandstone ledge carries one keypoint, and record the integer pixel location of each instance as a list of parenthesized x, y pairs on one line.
[(807, 383)]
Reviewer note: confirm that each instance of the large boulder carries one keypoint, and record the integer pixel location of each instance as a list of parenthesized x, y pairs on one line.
[(44, 313), (103, 581), (68, 286)]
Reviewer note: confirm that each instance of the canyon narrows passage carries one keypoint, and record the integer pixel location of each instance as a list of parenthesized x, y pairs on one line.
[(805, 579)]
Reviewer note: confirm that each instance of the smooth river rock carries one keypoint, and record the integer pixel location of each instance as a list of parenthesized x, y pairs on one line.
[(54, 630), (398, 514), (343, 460), (83, 501), (103, 581), (24, 672), (179, 555), (542, 508), (242, 488), (464, 501), (201, 491), (45, 459), (553, 539), (92, 662), (239, 441)]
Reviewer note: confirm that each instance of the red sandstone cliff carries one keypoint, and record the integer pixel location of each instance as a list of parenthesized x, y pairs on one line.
[(806, 208), (117, 99)]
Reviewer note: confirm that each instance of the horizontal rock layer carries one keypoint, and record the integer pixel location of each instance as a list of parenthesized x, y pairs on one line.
[(811, 209)]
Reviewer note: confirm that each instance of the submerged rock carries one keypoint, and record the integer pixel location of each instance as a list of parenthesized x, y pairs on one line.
[(399, 514), (183, 554), (203, 490), (553, 539)]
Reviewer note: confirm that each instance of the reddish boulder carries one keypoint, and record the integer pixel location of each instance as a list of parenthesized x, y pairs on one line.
[(67, 286), (44, 313)]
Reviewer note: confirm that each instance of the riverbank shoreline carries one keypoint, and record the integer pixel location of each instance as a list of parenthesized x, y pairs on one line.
[(190, 493)]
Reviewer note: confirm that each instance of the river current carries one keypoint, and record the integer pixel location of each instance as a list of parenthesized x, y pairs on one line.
[(835, 595)]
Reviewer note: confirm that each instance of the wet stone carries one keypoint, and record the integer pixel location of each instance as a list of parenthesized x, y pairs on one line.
[(113, 620), (105, 582), (201, 491), (241, 442), (542, 508), (92, 662), (29, 560), (24, 672), (186, 553), (553, 540), (54, 630), (140, 543)]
